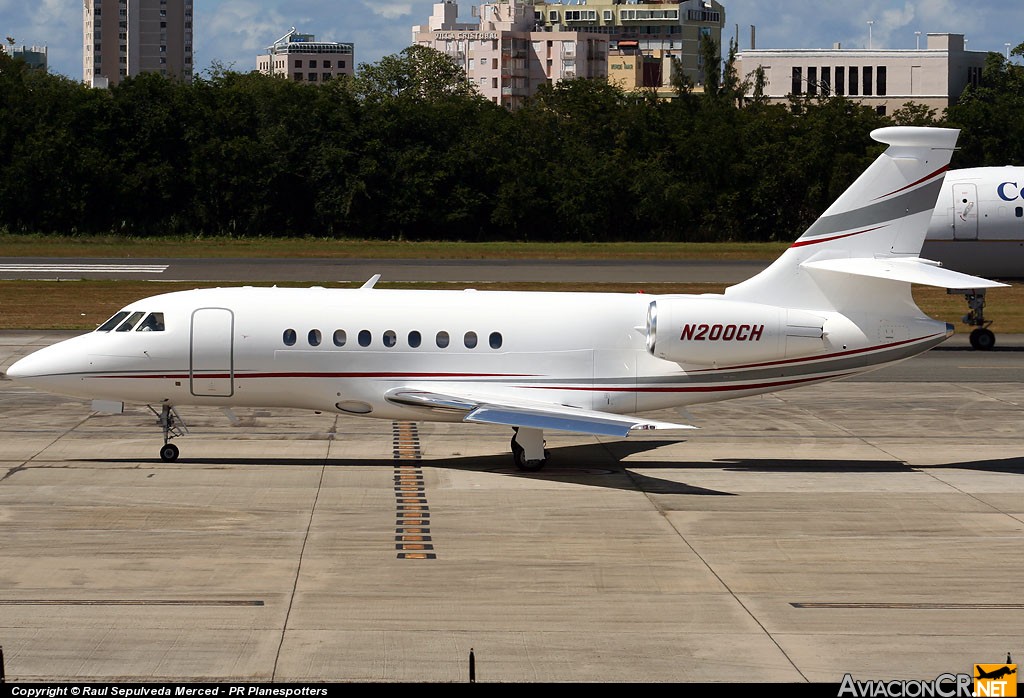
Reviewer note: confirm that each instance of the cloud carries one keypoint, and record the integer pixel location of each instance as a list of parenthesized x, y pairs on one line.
[(236, 31), (389, 10), (49, 11)]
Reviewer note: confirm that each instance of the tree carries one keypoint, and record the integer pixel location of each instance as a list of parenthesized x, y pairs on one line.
[(760, 80), (711, 65), (417, 72), (988, 115), (914, 114)]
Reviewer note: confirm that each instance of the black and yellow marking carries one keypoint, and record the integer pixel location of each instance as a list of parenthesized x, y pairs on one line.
[(412, 513)]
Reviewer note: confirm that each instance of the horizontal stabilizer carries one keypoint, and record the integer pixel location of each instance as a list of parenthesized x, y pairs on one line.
[(912, 270), (535, 414)]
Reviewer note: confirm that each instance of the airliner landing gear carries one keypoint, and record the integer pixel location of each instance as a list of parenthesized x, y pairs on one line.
[(982, 338), (172, 425), (528, 449)]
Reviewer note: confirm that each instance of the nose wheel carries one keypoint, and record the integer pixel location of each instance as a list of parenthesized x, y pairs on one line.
[(172, 426)]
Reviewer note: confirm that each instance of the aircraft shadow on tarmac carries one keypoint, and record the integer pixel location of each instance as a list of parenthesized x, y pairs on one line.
[(603, 465)]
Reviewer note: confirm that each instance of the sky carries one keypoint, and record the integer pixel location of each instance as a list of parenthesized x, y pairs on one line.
[(231, 33)]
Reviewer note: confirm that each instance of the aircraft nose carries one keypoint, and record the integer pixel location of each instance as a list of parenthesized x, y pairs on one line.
[(48, 363), (27, 368), (19, 369)]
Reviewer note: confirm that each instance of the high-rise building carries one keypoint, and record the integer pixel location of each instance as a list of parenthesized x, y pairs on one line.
[(36, 57), (301, 57), (506, 55), (123, 38), (649, 40)]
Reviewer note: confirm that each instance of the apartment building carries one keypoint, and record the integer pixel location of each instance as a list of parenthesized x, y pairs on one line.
[(884, 79), (123, 38), (36, 57), (506, 54), (648, 41), (302, 58)]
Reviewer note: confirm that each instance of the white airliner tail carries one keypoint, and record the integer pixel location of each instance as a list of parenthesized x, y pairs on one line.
[(875, 229)]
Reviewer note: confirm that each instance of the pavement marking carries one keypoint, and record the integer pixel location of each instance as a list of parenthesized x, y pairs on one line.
[(97, 268), (923, 606), (992, 368), (412, 525), (127, 602)]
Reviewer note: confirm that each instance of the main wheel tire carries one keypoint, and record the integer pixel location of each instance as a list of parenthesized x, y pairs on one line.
[(168, 453), (519, 456), (983, 339)]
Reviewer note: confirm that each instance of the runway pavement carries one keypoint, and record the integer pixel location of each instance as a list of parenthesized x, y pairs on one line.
[(395, 270), (871, 527)]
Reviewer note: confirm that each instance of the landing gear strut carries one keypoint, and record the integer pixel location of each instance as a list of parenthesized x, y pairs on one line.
[(528, 449), (172, 425), (982, 338)]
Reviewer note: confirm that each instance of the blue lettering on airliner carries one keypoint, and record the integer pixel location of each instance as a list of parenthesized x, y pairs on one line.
[(1016, 191)]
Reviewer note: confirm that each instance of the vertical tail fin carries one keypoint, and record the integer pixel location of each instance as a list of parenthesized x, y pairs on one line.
[(884, 214)]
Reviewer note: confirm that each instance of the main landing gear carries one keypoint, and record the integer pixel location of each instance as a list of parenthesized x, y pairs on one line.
[(982, 338), (170, 422), (528, 449)]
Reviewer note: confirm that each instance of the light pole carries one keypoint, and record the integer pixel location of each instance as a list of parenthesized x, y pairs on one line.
[(1007, 45), (870, 22), (918, 36)]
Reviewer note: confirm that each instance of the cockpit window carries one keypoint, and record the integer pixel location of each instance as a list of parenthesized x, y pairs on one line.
[(128, 324), (112, 322), (154, 322)]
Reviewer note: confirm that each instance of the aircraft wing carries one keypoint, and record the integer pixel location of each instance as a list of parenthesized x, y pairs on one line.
[(490, 409)]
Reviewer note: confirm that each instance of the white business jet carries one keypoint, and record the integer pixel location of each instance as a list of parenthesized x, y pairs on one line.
[(837, 303), (978, 228)]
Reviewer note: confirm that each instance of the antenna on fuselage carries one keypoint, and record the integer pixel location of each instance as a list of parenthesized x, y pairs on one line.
[(371, 282)]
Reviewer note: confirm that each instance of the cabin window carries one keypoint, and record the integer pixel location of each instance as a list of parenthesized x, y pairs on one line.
[(442, 339), (470, 340), (340, 338), (154, 322), (112, 322), (390, 338), (314, 338), (495, 340), (128, 324), (364, 338), (1019, 211), (289, 338), (414, 339)]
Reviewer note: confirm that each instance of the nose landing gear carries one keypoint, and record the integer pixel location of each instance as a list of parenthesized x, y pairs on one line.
[(173, 426)]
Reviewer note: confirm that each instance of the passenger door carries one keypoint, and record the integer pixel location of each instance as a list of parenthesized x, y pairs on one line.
[(211, 364), (965, 207)]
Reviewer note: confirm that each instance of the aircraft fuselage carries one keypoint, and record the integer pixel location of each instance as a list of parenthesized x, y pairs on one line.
[(341, 350)]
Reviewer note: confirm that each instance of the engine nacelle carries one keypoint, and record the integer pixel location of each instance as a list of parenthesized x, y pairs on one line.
[(718, 332)]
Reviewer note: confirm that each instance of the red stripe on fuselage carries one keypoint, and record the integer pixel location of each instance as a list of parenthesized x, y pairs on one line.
[(395, 374), (837, 354), (693, 389)]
